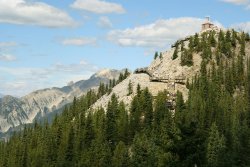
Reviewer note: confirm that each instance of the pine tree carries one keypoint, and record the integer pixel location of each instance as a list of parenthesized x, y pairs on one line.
[(147, 107), (99, 155), (247, 37), (122, 124), (160, 56), (144, 152), (215, 147), (120, 79), (69, 154), (156, 55), (160, 109), (175, 55), (126, 73), (242, 44), (130, 88), (186, 58), (88, 132), (234, 38), (135, 117), (111, 117), (138, 89), (182, 46), (197, 43), (120, 157), (101, 88), (179, 108), (213, 41)]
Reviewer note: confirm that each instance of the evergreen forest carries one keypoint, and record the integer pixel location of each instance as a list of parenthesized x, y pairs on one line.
[(209, 129)]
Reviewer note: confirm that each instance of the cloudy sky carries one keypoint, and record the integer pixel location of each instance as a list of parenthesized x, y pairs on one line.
[(46, 43)]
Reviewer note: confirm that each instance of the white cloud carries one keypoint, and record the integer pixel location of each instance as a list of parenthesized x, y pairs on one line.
[(19, 81), (83, 62), (5, 48), (245, 26), (98, 6), (33, 13), (104, 22), (245, 3), (161, 33), (236, 2), (7, 58), (79, 41), (7, 44)]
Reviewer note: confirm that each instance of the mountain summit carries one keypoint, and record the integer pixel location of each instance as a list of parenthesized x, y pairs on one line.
[(189, 107), (172, 70), (40, 103)]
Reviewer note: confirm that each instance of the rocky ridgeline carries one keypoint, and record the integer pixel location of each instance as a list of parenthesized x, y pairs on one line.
[(41, 103), (161, 67), (161, 74)]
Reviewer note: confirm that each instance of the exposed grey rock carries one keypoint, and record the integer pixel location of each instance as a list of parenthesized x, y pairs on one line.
[(163, 67), (42, 103)]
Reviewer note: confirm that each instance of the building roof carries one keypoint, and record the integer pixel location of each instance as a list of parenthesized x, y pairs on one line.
[(208, 23)]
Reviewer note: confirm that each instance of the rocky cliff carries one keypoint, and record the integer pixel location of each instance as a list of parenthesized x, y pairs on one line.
[(165, 71), (40, 103)]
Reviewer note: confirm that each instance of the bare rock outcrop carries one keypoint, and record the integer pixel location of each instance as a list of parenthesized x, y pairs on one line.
[(162, 67)]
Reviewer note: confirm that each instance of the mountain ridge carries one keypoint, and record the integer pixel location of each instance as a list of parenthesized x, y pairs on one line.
[(37, 104), (165, 68), (190, 107)]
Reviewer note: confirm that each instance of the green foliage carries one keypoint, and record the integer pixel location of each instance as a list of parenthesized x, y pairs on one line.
[(121, 157), (144, 152), (212, 39), (182, 46), (138, 89), (186, 58), (197, 44), (215, 147), (112, 114), (242, 44), (130, 88), (175, 55), (247, 37), (122, 123), (112, 83), (156, 55), (160, 55), (211, 127)]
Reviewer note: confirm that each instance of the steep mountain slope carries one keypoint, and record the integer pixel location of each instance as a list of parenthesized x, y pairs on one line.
[(40, 103), (1, 95), (210, 129), (165, 71), (162, 67)]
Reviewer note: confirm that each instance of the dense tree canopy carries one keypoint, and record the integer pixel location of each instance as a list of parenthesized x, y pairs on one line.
[(211, 128)]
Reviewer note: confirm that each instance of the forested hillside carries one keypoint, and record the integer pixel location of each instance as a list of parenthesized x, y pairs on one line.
[(211, 128), (44, 103)]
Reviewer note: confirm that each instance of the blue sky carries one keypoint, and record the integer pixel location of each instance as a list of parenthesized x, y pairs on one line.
[(46, 43)]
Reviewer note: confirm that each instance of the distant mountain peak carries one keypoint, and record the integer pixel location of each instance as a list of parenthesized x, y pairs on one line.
[(102, 72), (45, 101), (8, 98), (107, 73)]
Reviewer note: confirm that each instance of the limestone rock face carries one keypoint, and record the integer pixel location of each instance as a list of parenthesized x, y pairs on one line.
[(163, 67), (41, 103)]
